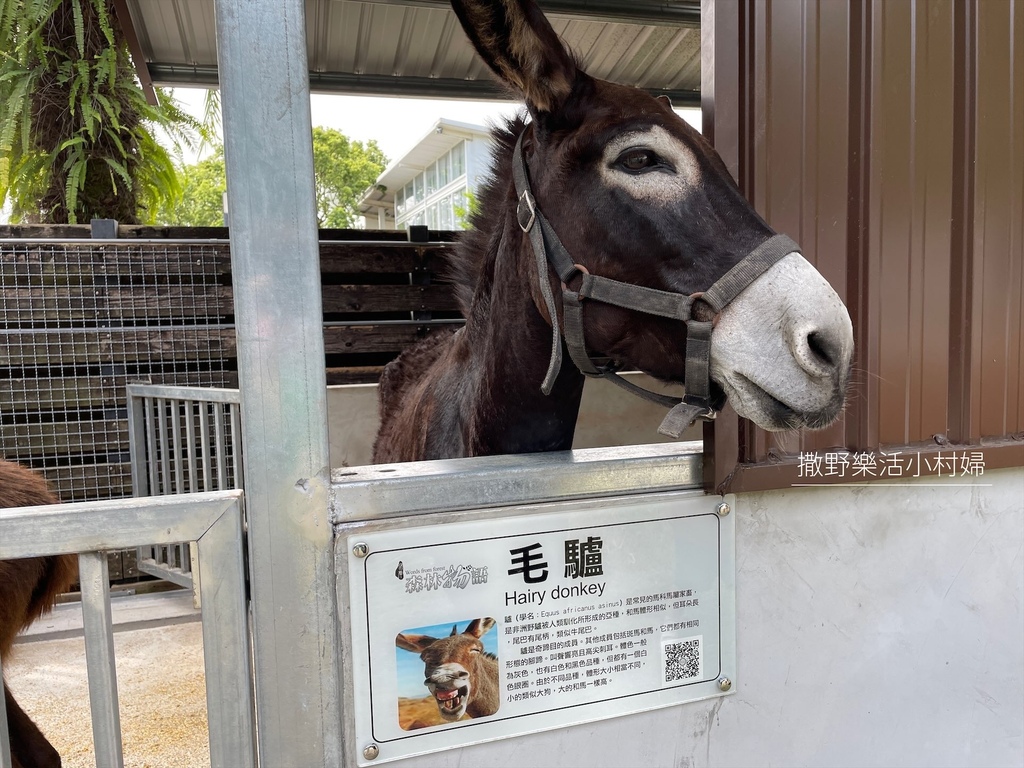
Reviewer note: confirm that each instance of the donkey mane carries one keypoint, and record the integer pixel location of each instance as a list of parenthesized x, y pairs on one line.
[(477, 247)]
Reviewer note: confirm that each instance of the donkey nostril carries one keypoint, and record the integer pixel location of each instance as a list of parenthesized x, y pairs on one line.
[(823, 348)]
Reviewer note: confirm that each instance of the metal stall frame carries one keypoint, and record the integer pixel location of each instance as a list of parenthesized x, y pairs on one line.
[(264, 81), (297, 635), (215, 522)]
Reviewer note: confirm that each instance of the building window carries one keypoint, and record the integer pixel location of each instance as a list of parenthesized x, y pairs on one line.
[(458, 160), (432, 179), (443, 175), (447, 215)]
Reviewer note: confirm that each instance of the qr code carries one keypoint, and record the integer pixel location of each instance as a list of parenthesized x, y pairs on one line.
[(682, 659)]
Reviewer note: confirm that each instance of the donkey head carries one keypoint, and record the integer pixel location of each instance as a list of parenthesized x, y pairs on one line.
[(457, 672), (638, 196)]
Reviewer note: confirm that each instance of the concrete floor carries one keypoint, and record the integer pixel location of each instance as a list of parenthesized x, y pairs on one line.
[(161, 683)]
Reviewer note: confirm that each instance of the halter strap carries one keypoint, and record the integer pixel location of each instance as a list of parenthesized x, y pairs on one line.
[(698, 402)]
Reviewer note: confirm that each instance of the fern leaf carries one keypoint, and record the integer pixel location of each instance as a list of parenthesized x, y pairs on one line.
[(92, 119), (112, 135), (104, 21), (70, 143), (120, 170), (75, 178), (15, 108), (107, 106), (76, 9)]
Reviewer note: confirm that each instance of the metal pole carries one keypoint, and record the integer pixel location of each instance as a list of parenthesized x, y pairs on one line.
[(5, 739), (99, 656), (261, 50)]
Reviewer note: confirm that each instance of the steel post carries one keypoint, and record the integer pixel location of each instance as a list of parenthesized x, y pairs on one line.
[(261, 48)]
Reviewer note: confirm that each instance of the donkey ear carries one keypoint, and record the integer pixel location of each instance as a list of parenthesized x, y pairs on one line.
[(414, 643), (479, 627), (517, 42)]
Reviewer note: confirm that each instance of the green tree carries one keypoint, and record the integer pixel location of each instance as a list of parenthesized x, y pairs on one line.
[(343, 169), (201, 203), (463, 213), (77, 136)]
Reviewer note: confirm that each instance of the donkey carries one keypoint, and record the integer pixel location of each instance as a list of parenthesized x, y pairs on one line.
[(461, 677), (28, 589), (612, 231)]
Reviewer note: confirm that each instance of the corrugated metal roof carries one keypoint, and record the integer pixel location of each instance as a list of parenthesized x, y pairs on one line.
[(416, 47)]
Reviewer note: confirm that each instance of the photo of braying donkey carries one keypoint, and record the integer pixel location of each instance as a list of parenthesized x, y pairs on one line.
[(460, 674), (28, 589), (610, 233)]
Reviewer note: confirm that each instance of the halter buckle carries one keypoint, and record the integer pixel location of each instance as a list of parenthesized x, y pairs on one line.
[(528, 199), (577, 269)]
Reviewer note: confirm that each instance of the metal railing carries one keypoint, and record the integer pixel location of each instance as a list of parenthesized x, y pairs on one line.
[(214, 521), (182, 440)]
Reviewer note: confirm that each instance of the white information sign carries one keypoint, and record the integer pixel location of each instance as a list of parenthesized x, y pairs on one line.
[(469, 631)]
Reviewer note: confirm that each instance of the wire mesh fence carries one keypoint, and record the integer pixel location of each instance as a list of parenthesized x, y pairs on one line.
[(79, 320)]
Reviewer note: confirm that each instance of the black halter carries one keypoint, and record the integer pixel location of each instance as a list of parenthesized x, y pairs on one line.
[(698, 402)]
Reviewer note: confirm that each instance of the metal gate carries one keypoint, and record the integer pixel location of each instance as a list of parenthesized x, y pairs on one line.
[(214, 521), (182, 440)]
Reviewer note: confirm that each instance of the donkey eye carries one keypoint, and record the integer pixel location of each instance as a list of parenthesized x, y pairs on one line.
[(475, 650), (639, 161)]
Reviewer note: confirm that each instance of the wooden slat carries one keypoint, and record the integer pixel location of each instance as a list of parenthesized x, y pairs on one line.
[(388, 298), (360, 374), (372, 338), (22, 306), (63, 438), (42, 394), (62, 264), (147, 232), (29, 348), (74, 264), (358, 258)]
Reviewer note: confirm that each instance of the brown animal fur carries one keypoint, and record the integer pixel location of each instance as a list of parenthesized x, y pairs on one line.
[(458, 663), (28, 589)]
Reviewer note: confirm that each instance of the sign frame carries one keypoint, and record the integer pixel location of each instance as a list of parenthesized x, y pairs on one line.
[(356, 540)]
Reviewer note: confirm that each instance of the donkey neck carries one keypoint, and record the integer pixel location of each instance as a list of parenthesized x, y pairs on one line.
[(513, 341)]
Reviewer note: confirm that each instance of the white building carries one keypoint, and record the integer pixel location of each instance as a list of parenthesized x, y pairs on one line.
[(428, 184)]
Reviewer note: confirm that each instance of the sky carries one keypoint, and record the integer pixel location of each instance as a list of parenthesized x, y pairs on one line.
[(395, 124)]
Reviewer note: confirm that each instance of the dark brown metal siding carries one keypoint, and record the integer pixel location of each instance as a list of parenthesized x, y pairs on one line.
[(999, 218), (887, 137)]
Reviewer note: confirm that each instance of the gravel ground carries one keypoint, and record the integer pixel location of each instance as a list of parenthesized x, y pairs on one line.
[(162, 695)]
